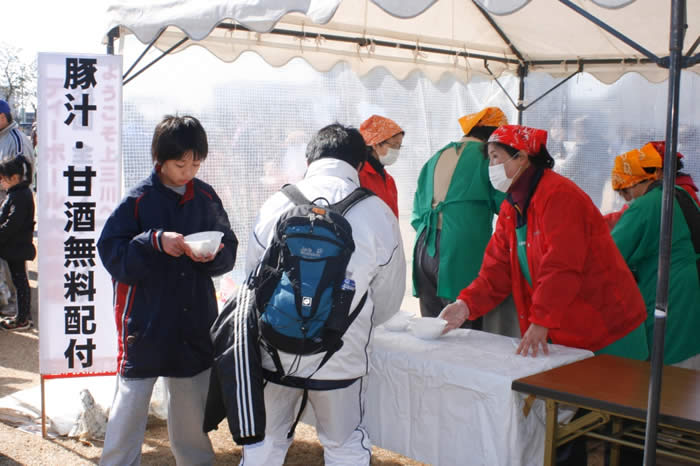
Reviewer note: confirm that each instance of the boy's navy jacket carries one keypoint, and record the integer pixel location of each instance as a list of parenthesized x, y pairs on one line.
[(17, 224), (164, 305)]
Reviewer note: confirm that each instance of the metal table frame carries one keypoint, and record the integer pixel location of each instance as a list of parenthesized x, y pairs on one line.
[(618, 405)]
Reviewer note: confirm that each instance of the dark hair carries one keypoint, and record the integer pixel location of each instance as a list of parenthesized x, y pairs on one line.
[(176, 135), (541, 160), (482, 132), (8, 115), (338, 142), (17, 166)]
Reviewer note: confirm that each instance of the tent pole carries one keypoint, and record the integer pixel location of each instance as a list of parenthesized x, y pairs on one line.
[(179, 43), (522, 72), (133, 65), (678, 24), (111, 35), (560, 83)]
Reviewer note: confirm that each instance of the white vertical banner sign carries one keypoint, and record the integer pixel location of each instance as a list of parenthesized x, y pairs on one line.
[(79, 184)]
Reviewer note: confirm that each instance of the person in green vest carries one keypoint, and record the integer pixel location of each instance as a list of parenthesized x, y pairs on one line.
[(636, 177), (454, 206)]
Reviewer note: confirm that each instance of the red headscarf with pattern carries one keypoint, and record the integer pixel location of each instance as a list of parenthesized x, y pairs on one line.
[(520, 137)]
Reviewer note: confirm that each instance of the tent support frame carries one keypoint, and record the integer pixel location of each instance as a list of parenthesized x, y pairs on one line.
[(678, 26), (133, 65), (364, 41), (522, 73), (675, 62), (114, 34), (500, 32), (606, 27)]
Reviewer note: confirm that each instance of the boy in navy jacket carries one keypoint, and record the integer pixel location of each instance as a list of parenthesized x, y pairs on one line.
[(16, 232), (164, 297)]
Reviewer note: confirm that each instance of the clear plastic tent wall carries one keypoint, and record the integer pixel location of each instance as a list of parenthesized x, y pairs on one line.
[(259, 119)]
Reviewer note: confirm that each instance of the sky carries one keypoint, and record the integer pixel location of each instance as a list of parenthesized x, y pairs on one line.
[(79, 26), (74, 26)]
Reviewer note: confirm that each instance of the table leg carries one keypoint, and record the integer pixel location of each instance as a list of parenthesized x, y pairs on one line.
[(550, 439), (615, 447)]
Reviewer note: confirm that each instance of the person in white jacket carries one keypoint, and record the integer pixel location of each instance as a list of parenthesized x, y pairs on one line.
[(334, 157), (13, 142)]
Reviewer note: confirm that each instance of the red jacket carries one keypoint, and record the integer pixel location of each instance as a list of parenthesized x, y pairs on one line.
[(385, 188), (583, 292), (686, 182)]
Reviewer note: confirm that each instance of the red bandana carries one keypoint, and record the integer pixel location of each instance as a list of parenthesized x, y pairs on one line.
[(520, 137), (660, 147)]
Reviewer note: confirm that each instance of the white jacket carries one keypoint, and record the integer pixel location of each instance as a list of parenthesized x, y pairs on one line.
[(378, 265), (13, 142)]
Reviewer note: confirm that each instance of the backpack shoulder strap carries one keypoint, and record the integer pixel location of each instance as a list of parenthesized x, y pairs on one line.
[(294, 194), (353, 198), (691, 212)]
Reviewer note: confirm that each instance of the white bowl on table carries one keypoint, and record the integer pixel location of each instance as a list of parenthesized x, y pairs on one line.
[(204, 243), (399, 321), (427, 328)]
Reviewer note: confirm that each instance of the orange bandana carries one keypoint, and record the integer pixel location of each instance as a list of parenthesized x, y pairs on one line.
[(490, 116), (376, 129), (629, 167)]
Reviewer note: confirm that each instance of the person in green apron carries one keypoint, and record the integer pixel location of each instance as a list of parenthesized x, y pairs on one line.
[(553, 251), (454, 206), (635, 176)]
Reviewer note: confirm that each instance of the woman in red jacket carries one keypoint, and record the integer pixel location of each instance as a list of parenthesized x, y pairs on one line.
[(383, 138), (553, 251)]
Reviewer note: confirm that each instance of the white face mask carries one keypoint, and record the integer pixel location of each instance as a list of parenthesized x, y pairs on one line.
[(391, 156), (499, 179)]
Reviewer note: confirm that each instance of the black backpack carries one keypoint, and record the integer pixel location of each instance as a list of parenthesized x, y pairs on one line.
[(303, 292)]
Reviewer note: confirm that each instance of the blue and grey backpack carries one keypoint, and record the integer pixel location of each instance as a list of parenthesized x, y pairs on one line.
[(303, 292)]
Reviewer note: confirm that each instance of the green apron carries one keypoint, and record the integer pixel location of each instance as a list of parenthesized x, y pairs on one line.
[(521, 235), (467, 217), (637, 237), (633, 345)]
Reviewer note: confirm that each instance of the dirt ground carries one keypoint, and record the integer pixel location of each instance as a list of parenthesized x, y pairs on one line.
[(19, 369)]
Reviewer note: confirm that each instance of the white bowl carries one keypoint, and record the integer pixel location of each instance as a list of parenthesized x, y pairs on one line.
[(427, 328), (399, 322), (204, 243)]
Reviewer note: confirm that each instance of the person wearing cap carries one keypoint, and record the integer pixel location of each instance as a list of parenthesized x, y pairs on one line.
[(683, 180), (13, 142), (553, 251), (383, 138), (453, 211), (636, 176)]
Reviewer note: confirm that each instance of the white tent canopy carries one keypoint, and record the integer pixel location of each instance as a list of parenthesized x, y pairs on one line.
[(459, 37)]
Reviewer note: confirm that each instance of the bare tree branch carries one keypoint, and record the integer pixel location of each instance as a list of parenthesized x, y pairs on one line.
[(17, 78)]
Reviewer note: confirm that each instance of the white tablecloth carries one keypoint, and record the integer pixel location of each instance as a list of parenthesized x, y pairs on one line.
[(449, 402)]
